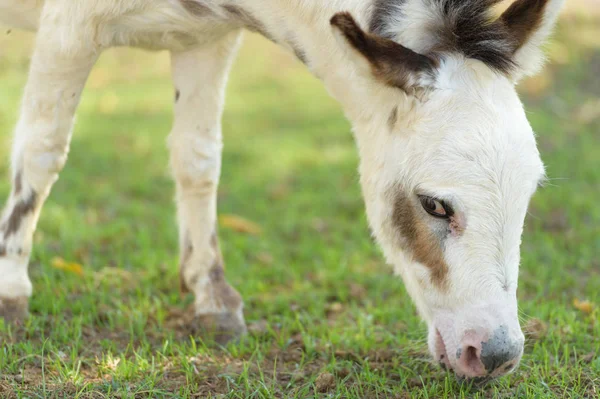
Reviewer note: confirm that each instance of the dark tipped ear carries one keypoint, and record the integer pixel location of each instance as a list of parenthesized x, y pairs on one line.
[(529, 23), (390, 62), (523, 18)]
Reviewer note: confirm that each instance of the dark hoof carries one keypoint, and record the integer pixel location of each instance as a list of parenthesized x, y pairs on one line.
[(14, 310), (221, 327)]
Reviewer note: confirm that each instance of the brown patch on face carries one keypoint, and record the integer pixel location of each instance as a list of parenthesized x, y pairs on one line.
[(393, 119), (423, 244), (390, 62), (196, 8), (177, 95), (522, 19), (21, 209), (2, 250)]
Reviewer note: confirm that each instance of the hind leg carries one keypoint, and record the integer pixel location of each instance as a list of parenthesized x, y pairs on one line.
[(57, 75), (200, 77)]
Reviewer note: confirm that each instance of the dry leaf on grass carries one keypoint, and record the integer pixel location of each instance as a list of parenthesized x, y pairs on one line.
[(239, 224), (588, 112), (334, 308), (114, 272), (589, 357), (265, 258), (584, 306), (535, 329), (72, 267), (325, 382), (357, 292), (257, 328)]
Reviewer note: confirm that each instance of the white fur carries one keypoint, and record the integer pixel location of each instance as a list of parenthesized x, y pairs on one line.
[(22, 14), (14, 282), (466, 139)]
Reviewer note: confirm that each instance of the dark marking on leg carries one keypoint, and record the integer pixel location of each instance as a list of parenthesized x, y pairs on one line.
[(230, 298), (196, 8), (393, 119), (177, 95), (214, 242), (217, 274), (228, 324), (193, 281), (21, 209), (2, 250), (18, 183), (186, 255)]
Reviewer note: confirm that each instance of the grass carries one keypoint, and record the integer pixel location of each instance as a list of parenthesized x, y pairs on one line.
[(326, 318)]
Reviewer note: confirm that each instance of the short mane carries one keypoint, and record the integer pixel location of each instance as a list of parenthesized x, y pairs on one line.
[(466, 27)]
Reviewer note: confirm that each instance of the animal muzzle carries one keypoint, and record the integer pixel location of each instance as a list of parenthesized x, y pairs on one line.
[(478, 342)]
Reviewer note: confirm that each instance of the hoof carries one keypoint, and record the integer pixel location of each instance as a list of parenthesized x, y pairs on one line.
[(14, 310), (221, 327)]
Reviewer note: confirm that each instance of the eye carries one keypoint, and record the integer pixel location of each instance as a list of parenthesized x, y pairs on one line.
[(435, 207)]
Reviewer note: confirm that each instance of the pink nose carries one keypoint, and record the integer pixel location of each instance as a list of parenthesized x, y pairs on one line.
[(480, 356)]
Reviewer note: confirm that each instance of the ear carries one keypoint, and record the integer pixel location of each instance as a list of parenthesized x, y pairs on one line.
[(529, 23), (389, 62)]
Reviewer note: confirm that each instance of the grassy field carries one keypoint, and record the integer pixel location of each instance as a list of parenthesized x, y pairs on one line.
[(326, 318)]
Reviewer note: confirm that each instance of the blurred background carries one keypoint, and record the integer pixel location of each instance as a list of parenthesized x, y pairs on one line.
[(293, 229)]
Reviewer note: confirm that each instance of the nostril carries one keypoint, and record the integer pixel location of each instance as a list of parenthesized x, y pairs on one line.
[(472, 358), (469, 362)]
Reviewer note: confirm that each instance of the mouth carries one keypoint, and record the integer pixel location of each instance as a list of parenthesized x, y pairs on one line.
[(441, 353)]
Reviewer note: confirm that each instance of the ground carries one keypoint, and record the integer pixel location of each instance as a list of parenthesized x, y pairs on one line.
[(326, 317)]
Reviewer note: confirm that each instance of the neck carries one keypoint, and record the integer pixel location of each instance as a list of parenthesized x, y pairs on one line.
[(303, 27)]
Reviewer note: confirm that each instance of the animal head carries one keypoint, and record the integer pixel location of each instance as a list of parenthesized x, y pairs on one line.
[(449, 162)]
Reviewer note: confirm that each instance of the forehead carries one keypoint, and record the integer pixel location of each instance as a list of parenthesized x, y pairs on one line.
[(473, 131)]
